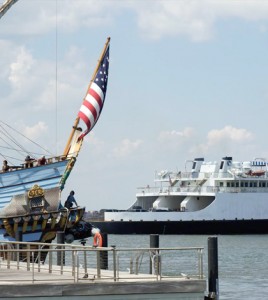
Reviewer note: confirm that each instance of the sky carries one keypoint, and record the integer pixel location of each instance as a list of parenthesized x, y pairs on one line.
[(187, 79)]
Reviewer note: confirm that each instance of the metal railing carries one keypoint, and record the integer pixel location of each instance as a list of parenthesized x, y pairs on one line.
[(155, 191), (77, 263)]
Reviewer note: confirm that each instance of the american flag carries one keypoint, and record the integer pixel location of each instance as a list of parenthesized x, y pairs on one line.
[(93, 102)]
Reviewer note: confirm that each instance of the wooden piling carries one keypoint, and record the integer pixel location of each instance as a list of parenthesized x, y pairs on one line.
[(213, 280), (154, 243), (61, 254), (104, 253), (18, 235)]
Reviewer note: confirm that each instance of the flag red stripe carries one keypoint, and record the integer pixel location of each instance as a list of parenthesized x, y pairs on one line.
[(97, 97), (85, 119), (91, 108)]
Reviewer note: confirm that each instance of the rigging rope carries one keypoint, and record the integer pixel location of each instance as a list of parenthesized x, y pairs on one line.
[(10, 141), (6, 134), (24, 136), (56, 75)]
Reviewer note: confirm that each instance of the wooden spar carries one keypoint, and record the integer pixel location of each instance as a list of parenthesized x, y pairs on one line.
[(6, 6), (67, 147)]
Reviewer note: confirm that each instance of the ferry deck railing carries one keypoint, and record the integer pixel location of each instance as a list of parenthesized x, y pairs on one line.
[(202, 175), (78, 263), (237, 184), (154, 191)]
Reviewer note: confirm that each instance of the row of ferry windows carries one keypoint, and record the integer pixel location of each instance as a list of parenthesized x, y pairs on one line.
[(245, 184)]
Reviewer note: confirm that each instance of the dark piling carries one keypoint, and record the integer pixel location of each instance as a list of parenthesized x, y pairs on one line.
[(213, 280), (154, 243), (61, 254)]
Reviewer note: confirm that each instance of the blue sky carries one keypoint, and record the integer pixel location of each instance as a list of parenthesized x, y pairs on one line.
[(187, 79)]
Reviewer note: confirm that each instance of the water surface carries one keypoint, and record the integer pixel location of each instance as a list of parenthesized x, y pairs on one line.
[(243, 260)]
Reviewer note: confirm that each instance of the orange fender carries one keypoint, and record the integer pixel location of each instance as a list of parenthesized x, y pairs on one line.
[(97, 240)]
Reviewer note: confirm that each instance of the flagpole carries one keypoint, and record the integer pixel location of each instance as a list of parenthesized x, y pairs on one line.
[(99, 61), (67, 147)]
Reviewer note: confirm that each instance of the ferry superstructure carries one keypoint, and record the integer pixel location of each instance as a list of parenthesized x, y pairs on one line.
[(225, 197)]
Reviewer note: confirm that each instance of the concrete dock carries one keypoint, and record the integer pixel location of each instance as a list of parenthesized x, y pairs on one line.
[(75, 277), (17, 284)]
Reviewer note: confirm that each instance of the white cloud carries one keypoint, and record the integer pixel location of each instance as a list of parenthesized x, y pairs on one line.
[(172, 18), (47, 97), (126, 148), (94, 141), (174, 136), (7, 51), (84, 14), (39, 17), (31, 80), (20, 69), (193, 18), (156, 19), (223, 140), (176, 139), (35, 131), (249, 10), (237, 135), (35, 79)]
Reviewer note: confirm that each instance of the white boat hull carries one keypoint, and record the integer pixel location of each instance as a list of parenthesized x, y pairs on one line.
[(226, 206)]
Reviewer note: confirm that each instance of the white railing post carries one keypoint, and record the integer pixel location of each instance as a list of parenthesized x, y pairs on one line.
[(28, 255), (98, 265), (50, 261), (77, 267), (32, 266), (200, 263), (114, 261)]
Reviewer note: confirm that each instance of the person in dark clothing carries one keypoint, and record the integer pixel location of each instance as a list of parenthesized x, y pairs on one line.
[(42, 161), (29, 162), (70, 200), (5, 167)]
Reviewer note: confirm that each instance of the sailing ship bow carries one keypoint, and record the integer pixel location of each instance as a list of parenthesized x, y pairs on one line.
[(90, 109)]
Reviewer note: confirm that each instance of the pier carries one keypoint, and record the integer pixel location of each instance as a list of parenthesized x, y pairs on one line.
[(61, 270)]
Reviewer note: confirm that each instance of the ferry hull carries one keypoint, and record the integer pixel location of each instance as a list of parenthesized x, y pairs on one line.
[(183, 227), (226, 197), (229, 213)]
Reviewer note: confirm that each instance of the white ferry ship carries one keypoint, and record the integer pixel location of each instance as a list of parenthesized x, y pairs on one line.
[(226, 197)]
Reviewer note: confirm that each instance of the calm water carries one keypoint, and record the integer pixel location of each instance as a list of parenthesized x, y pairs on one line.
[(243, 260)]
